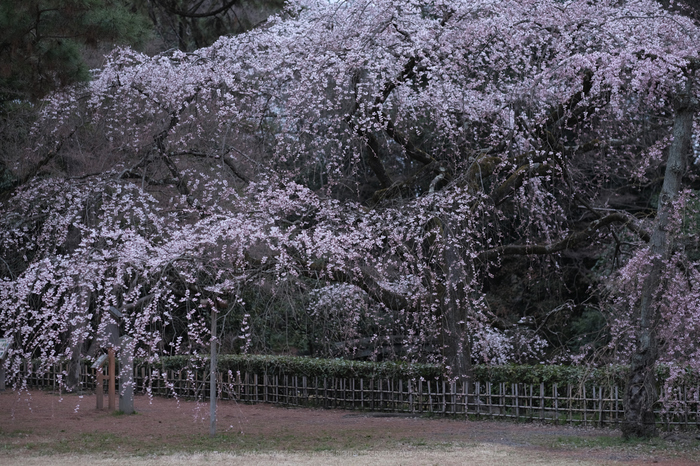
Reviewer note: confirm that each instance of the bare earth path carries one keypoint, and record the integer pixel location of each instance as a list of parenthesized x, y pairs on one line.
[(166, 431)]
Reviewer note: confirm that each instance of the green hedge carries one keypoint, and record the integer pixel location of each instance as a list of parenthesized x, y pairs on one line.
[(314, 367), (551, 374), (562, 375), (341, 368), (302, 366)]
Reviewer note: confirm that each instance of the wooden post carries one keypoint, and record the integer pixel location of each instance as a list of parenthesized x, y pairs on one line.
[(255, 388), (126, 375), (265, 389), (112, 378), (542, 402), (99, 391), (4, 345), (212, 375), (585, 403)]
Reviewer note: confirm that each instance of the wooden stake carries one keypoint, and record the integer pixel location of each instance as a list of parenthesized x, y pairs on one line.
[(99, 393), (112, 405), (212, 376)]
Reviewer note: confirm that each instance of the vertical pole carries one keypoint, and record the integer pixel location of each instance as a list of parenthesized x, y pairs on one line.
[(99, 392), (212, 375), (4, 344), (111, 391), (126, 375), (542, 402)]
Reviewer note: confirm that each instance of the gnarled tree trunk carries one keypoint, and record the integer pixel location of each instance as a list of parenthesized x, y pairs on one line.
[(640, 390), (455, 338)]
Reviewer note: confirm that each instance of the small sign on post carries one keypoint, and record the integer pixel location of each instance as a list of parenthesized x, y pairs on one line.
[(99, 391)]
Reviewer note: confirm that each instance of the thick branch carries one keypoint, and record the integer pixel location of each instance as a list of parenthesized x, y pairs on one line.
[(187, 14), (402, 187), (372, 158), (228, 162), (137, 303), (515, 180), (549, 131), (44, 161), (572, 241), (364, 280), (412, 151)]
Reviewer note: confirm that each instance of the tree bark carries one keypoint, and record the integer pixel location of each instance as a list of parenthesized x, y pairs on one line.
[(455, 338), (640, 390)]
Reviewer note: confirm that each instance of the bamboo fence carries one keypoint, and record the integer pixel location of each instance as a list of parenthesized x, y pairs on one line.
[(584, 404)]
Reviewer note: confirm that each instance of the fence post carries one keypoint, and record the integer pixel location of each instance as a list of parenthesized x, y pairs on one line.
[(362, 393), (401, 405), (443, 396), (420, 395), (430, 397), (542, 408), (99, 391), (325, 394), (265, 384), (585, 405), (697, 406), (477, 392), (685, 406), (111, 404), (126, 375), (465, 391), (503, 398), (305, 393)]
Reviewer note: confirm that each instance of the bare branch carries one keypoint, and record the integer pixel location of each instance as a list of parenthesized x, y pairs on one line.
[(187, 14)]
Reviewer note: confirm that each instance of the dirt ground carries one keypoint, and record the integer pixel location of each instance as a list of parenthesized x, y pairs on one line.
[(168, 431)]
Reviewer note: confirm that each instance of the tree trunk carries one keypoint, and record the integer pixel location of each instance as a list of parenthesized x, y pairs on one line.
[(78, 344), (455, 339), (640, 390)]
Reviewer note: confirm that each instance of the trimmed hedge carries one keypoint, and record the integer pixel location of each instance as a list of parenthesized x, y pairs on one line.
[(314, 367), (551, 374), (562, 375), (303, 366), (341, 368)]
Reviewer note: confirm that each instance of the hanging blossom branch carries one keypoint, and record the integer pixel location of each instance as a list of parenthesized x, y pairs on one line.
[(572, 241), (394, 152)]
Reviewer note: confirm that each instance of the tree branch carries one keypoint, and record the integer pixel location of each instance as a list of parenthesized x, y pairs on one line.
[(186, 14), (44, 161), (570, 242)]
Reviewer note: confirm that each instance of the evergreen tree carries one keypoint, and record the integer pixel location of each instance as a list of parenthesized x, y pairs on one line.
[(41, 41), (192, 24)]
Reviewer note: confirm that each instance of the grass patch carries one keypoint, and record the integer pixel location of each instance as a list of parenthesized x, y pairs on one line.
[(667, 444), (19, 433)]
